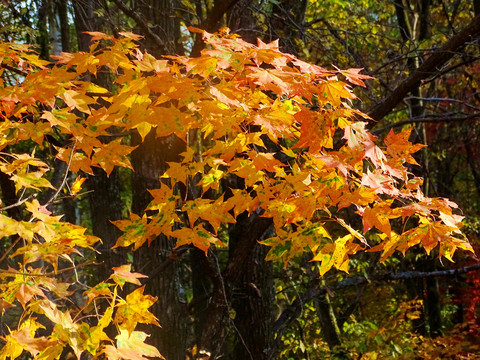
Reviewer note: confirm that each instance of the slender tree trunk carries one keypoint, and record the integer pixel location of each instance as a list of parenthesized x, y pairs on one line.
[(42, 38), (417, 33), (149, 161), (62, 7), (105, 200)]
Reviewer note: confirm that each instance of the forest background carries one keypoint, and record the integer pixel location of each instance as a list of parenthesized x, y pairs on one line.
[(227, 302)]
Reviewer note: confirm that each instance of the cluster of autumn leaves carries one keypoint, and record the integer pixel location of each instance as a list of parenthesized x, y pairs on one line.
[(279, 137)]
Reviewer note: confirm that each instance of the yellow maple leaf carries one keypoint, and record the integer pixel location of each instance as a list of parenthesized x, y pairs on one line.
[(134, 310), (77, 185)]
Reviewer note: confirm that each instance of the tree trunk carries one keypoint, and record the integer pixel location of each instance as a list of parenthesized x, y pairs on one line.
[(245, 263), (252, 301), (106, 206), (149, 161), (155, 20)]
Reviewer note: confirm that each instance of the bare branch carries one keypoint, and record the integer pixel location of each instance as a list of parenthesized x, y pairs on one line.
[(429, 68), (448, 117), (18, 203), (141, 23)]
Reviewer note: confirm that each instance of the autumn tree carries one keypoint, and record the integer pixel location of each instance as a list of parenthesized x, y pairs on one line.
[(270, 142), (389, 40)]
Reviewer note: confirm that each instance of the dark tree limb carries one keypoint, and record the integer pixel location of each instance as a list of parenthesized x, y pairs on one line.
[(13, 69), (428, 68), (141, 23)]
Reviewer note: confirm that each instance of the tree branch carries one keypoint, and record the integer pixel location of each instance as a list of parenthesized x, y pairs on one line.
[(13, 69), (141, 23), (449, 117), (430, 66)]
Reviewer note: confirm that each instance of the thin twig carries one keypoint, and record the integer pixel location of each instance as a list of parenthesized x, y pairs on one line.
[(227, 306), (18, 203), (62, 185), (427, 119), (15, 242), (51, 273)]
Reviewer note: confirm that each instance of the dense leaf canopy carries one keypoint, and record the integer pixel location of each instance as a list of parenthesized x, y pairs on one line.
[(264, 133)]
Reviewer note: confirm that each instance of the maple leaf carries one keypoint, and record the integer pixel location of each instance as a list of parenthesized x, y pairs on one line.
[(202, 65), (215, 212), (31, 131), (131, 346), (287, 244), (78, 162), (130, 35), (26, 292), (48, 251), (112, 154), (9, 227), (122, 275), (96, 35), (450, 244), (83, 61), (135, 231), (223, 98), (11, 349), (270, 80), (241, 201), (316, 131), (147, 62), (198, 236), (431, 235), (98, 291), (30, 180), (334, 91), (337, 254), (264, 161), (211, 179), (34, 345), (246, 169), (357, 136), (353, 75), (400, 148), (134, 310), (76, 100), (377, 216), (77, 185), (382, 183)]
